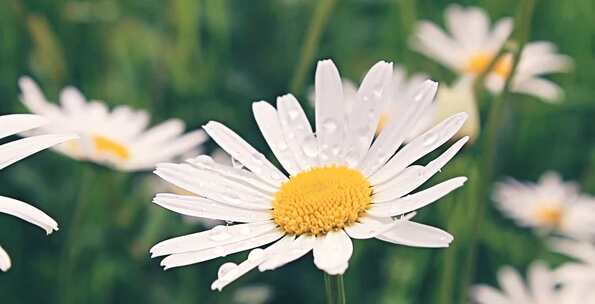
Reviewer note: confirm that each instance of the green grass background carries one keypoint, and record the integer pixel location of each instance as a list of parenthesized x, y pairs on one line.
[(208, 60)]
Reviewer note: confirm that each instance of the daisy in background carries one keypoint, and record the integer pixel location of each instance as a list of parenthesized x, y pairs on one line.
[(14, 151), (341, 185), (550, 205), (541, 288), (472, 43), (119, 139)]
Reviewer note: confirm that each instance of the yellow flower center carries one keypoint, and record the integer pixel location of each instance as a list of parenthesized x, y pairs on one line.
[(321, 200), (549, 216), (478, 63), (108, 146)]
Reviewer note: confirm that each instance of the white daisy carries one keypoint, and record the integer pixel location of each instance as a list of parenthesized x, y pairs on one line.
[(14, 151), (551, 205), (340, 184), (119, 139), (541, 288), (472, 44)]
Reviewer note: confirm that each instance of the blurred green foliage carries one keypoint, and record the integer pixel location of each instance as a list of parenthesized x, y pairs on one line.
[(208, 60)]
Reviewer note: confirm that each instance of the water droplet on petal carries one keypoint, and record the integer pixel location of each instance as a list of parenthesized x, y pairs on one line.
[(293, 114), (329, 125), (282, 146), (226, 269), (430, 139), (219, 233), (255, 254), (309, 147)]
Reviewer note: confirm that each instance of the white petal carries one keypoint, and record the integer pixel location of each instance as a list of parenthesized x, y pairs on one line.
[(16, 123), (72, 100), (179, 146), (291, 252), (542, 88), (468, 25), (414, 234), (541, 282), (297, 131), (202, 207), (187, 258), (417, 200), (209, 185), (371, 97), (512, 284), (331, 251), (483, 294), (217, 236), (397, 130), (368, 227), (33, 98), (238, 175), (28, 213), (330, 112), (419, 147), (431, 41), (414, 176), (268, 122), (14, 151), (499, 35), (162, 132), (255, 258), (244, 153), (4, 260)]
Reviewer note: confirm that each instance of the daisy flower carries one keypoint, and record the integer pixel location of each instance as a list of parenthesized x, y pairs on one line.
[(119, 139), (341, 185), (472, 44), (541, 288), (550, 205), (14, 151)]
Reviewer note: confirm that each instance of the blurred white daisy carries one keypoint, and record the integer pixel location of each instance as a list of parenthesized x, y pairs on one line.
[(541, 288), (472, 45), (119, 139), (14, 151), (341, 185), (550, 205)]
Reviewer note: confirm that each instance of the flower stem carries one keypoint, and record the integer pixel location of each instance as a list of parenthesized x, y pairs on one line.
[(490, 139), (317, 25), (335, 289), (68, 259)]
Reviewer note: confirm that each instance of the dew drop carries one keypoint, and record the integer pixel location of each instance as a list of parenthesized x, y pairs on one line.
[(276, 176), (293, 114), (256, 254), (330, 125), (282, 146), (430, 139), (226, 269), (309, 147), (219, 233), (219, 251)]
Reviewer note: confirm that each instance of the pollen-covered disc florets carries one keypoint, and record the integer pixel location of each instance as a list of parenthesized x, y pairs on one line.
[(321, 200)]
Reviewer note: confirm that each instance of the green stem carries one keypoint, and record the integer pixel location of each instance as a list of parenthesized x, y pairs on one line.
[(489, 145), (68, 259), (317, 25), (335, 289)]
